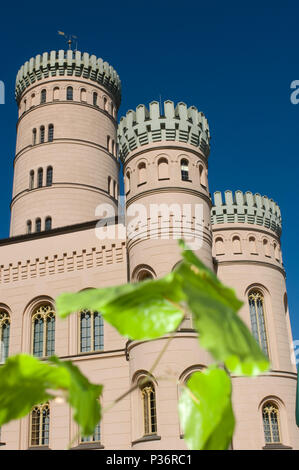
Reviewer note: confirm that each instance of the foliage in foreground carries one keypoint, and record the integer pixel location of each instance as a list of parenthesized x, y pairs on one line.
[(146, 311)]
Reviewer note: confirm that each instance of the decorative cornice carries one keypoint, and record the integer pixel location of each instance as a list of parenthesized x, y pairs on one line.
[(143, 126), (68, 63), (246, 208)]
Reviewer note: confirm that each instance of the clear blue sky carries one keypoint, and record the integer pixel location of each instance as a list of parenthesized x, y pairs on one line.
[(233, 60)]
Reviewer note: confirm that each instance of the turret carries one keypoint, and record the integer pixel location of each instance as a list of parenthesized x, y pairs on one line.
[(66, 160), (165, 157)]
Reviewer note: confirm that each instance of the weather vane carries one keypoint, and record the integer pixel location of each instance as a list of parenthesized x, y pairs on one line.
[(69, 39)]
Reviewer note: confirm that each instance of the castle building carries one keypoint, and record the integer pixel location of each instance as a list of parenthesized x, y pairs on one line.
[(66, 170)]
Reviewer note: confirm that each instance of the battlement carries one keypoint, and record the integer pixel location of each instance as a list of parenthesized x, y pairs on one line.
[(246, 208), (68, 63), (144, 126)]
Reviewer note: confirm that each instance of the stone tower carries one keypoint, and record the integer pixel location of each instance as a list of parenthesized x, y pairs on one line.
[(165, 158), (246, 245), (66, 157)]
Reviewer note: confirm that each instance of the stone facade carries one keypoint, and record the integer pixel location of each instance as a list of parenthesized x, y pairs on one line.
[(66, 165)]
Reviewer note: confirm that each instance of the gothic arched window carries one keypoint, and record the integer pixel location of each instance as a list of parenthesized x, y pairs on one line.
[(49, 176), (185, 170), (50, 133), (40, 425), (43, 331), (43, 96), (4, 335), (95, 437), (271, 423), (91, 331), (148, 395), (69, 93), (257, 318)]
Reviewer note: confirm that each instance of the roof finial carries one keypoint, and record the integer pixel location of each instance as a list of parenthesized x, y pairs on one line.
[(69, 39)]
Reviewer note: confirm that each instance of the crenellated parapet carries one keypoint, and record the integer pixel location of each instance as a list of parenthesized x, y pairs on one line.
[(177, 123), (68, 63), (246, 208)]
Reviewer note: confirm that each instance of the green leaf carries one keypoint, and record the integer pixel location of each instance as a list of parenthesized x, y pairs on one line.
[(138, 311), (26, 381), (214, 308), (205, 410)]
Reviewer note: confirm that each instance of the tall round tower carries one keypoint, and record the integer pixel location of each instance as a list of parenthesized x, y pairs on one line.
[(246, 245), (66, 158), (165, 158)]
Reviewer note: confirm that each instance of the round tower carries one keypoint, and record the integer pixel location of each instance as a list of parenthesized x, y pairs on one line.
[(66, 159), (165, 158), (246, 245)]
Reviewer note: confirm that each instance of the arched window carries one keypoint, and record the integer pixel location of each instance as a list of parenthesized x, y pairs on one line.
[(48, 223), (148, 395), (50, 133), (108, 143), (40, 178), (4, 335), (43, 96), (95, 99), (69, 93), (219, 246), (83, 95), (38, 225), (42, 134), (163, 169), (56, 94), (33, 136), (31, 179), (91, 331), (114, 190), (185, 170), (43, 331), (96, 436), (128, 182), (40, 425), (29, 226), (271, 423), (49, 176), (252, 245), (257, 318), (113, 148), (201, 173), (266, 247), (237, 245), (141, 173), (105, 103)]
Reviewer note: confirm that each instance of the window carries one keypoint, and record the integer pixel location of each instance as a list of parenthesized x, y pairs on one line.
[(91, 331), (56, 94), (40, 178), (128, 182), (34, 137), (40, 425), (48, 223), (108, 143), (4, 335), (113, 148), (95, 99), (69, 93), (163, 169), (105, 103), (42, 134), (149, 408), (271, 423), (252, 246), (31, 179), (219, 246), (83, 96), (29, 226), (43, 331), (257, 318), (38, 225), (50, 133), (185, 170), (96, 437), (141, 173), (49, 176), (43, 96)]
